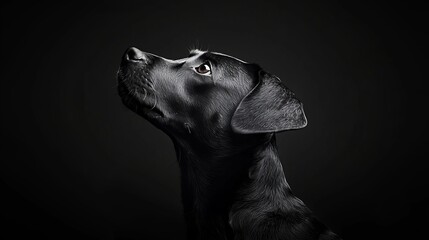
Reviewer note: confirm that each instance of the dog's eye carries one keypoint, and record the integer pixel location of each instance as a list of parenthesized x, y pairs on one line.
[(204, 69)]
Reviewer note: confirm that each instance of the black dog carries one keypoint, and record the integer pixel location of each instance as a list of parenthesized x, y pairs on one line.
[(221, 114)]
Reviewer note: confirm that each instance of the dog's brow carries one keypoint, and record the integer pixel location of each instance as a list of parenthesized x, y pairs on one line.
[(222, 54), (194, 52), (191, 54)]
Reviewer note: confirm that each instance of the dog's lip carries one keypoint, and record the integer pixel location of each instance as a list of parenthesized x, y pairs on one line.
[(149, 108), (154, 112), (147, 105), (146, 109)]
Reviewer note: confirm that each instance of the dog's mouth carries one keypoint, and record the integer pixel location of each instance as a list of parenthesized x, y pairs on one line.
[(138, 93)]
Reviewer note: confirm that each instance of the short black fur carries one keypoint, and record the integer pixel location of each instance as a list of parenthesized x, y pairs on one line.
[(223, 128)]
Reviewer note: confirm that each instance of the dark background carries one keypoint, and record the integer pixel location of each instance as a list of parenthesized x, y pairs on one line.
[(76, 164)]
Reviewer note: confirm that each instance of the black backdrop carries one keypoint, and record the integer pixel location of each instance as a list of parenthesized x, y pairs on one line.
[(76, 164)]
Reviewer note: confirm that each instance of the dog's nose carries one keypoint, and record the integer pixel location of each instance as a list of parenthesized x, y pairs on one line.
[(134, 54)]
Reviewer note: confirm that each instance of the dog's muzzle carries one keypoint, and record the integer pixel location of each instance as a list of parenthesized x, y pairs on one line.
[(135, 85)]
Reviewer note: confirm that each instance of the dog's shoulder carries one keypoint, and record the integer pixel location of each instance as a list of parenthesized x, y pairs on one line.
[(289, 220)]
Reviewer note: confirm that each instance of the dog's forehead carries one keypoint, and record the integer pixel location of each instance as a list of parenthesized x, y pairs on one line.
[(227, 56), (196, 53)]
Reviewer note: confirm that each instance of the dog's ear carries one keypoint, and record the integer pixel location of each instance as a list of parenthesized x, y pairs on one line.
[(268, 107)]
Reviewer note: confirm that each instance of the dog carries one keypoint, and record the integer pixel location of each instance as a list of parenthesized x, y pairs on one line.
[(222, 114)]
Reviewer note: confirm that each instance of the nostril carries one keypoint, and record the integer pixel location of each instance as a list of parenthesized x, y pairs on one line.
[(135, 54)]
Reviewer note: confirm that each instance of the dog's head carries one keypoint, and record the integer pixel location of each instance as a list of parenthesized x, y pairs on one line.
[(205, 94)]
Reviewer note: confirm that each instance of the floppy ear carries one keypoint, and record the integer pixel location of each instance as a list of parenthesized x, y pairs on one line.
[(269, 107)]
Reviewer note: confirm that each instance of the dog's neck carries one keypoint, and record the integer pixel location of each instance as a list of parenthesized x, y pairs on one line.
[(212, 182)]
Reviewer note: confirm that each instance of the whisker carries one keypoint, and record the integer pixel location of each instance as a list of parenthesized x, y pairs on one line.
[(145, 94), (156, 101)]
